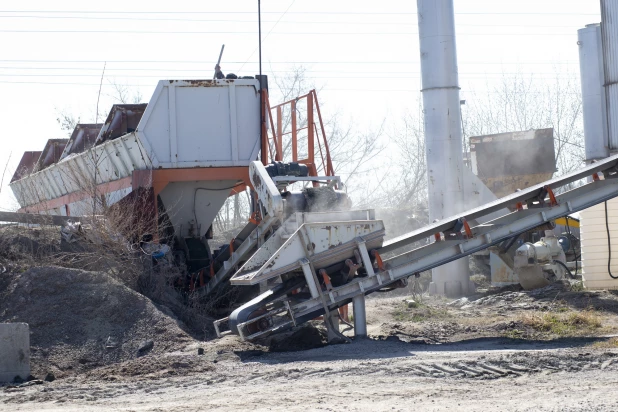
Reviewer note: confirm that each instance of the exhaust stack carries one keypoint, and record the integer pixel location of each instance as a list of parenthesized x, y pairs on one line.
[(443, 137)]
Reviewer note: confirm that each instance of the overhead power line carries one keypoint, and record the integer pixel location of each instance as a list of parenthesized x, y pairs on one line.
[(279, 32), (403, 78), (328, 12), (328, 89), (337, 22), (287, 62), (201, 70), (261, 41), (350, 76)]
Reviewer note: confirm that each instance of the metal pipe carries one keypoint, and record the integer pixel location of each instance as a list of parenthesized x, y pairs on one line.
[(442, 121), (360, 316), (260, 36), (609, 43), (593, 96)]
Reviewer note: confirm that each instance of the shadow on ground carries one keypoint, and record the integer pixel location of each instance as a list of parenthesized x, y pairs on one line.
[(393, 347)]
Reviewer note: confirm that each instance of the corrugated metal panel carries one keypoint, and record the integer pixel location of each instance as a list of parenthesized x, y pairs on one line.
[(609, 35), (594, 246), (68, 175)]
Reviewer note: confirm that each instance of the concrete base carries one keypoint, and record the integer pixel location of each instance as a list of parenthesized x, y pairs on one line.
[(451, 280), (452, 289), (14, 351)]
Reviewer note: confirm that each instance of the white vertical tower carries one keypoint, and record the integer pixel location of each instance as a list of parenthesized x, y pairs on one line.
[(443, 137), (593, 92), (609, 43), (598, 62)]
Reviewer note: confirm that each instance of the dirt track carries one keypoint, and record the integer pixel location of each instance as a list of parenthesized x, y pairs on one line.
[(483, 374)]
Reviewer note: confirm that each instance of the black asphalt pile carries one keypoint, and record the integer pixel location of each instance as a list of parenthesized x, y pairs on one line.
[(81, 320), (305, 337), (21, 248)]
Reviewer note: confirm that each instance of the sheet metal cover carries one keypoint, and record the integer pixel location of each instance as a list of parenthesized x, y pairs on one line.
[(506, 162), (514, 153)]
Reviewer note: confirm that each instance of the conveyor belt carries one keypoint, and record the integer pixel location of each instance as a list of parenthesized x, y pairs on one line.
[(460, 236)]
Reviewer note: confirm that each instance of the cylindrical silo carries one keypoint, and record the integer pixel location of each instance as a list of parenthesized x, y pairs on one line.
[(598, 54)]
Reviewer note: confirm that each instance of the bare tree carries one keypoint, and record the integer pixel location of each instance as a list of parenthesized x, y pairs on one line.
[(66, 120), (351, 150), (517, 103), (121, 93), (409, 189), (523, 102)]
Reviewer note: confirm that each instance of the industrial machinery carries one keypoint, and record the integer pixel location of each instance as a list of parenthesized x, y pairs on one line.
[(307, 250), (173, 163), (494, 159), (537, 264), (316, 263)]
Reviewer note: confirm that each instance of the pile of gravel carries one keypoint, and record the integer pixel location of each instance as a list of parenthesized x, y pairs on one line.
[(80, 320)]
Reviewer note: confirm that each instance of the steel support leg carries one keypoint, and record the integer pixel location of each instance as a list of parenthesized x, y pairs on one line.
[(360, 318), (332, 335)]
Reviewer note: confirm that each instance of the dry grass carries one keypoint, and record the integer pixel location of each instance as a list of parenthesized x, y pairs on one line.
[(611, 343), (420, 312), (569, 323)]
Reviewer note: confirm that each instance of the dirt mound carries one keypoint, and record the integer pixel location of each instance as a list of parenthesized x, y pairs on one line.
[(153, 367), (81, 320)]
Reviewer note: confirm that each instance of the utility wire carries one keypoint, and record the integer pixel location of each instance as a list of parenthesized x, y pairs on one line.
[(360, 90), (338, 22), (267, 34), (312, 33), (278, 62), (165, 70), (329, 12)]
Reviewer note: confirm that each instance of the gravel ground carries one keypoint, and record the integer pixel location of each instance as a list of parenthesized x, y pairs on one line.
[(505, 350), (484, 374)]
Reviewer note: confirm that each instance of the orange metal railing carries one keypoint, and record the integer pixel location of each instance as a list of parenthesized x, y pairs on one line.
[(316, 141)]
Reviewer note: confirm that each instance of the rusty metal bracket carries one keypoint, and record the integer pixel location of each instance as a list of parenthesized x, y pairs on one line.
[(378, 259), (326, 278), (552, 197), (467, 229)]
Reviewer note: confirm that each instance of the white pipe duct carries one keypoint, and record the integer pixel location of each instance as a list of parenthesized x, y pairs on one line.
[(593, 94), (609, 43), (443, 136)]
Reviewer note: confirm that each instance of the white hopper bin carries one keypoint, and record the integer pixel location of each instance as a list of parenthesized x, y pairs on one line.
[(194, 140)]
